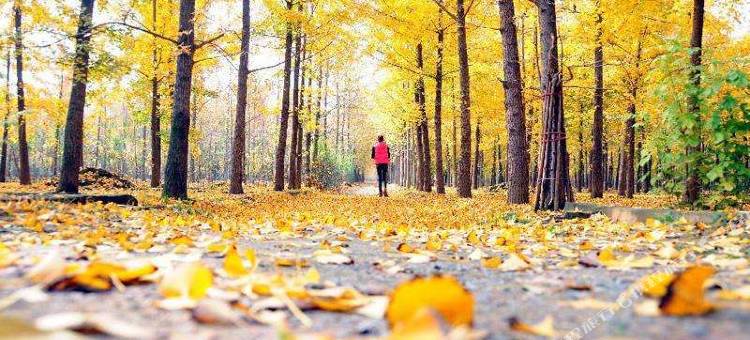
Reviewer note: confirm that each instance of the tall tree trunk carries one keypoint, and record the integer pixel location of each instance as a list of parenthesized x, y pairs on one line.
[(439, 179), (175, 174), (518, 156), (98, 143), (553, 187), (278, 182), (494, 174), (238, 145), (155, 135), (295, 111), (596, 178), (300, 111), (420, 156), (426, 164), (316, 138), (155, 115), (73, 146), (477, 160), (464, 167), (4, 150), (24, 174), (579, 173), (454, 141), (298, 175), (692, 183)]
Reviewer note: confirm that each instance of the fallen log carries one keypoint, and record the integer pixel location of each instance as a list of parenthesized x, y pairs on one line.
[(124, 199)]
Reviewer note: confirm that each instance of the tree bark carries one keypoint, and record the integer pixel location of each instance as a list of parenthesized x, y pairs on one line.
[(439, 179), (155, 135), (692, 183), (24, 174), (553, 186), (4, 150), (596, 178), (295, 112), (464, 167), (477, 136), (625, 188), (238, 145), (518, 156), (422, 125), (73, 145), (278, 182), (175, 173), (316, 138)]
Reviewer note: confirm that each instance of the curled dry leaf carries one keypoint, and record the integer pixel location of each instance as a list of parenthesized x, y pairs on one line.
[(492, 262), (515, 262), (292, 262), (476, 255), (337, 299), (233, 265), (215, 312), (589, 303), (189, 280), (49, 269), (327, 257), (685, 295), (444, 294), (424, 324), (405, 248), (543, 328), (655, 285), (101, 276), (93, 323)]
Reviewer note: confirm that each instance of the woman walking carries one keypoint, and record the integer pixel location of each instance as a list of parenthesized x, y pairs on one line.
[(381, 155)]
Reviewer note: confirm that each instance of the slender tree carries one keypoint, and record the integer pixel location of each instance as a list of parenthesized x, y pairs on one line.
[(73, 145), (295, 111), (518, 155), (477, 160), (596, 178), (176, 171), (4, 150), (238, 145), (278, 181), (439, 176), (692, 183), (24, 174), (422, 125), (155, 115)]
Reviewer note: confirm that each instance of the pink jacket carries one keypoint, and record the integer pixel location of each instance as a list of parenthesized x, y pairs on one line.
[(381, 153)]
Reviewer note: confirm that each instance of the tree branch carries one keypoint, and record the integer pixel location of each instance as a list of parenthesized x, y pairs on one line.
[(140, 29), (442, 6), (209, 41)]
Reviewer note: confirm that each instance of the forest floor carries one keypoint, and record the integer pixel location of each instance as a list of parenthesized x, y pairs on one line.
[(343, 263)]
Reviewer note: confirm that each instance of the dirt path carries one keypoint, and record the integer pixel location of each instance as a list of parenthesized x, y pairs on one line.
[(544, 289)]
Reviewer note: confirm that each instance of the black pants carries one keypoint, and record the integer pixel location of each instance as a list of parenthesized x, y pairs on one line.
[(382, 177)]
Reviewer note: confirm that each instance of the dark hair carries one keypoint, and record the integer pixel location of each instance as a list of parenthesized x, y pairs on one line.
[(381, 138)]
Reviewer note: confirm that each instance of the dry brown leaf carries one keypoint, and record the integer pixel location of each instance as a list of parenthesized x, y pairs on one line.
[(543, 328), (215, 312), (685, 294), (93, 323), (444, 294)]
